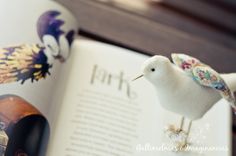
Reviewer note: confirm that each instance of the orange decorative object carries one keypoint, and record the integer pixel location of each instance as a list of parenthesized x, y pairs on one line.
[(26, 129)]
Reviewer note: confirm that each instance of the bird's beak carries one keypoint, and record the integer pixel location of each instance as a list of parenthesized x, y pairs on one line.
[(138, 77)]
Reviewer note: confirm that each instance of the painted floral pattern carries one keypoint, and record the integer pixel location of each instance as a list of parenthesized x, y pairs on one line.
[(23, 62), (204, 75), (33, 61)]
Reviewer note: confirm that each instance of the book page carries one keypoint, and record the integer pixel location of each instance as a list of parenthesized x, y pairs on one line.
[(103, 113), (23, 29), (35, 41)]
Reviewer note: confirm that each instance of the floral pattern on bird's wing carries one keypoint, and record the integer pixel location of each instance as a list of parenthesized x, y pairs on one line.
[(185, 62), (207, 76), (23, 62)]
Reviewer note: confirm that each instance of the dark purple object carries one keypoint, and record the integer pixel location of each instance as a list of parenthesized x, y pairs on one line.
[(48, 24)]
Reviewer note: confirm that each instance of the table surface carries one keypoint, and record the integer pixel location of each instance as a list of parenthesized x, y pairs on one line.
[(205, 29)]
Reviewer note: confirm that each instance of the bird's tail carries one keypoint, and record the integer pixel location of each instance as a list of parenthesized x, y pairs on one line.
[(230, 80)]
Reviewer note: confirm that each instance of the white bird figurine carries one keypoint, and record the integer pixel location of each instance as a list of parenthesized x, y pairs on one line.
[(188, 87)]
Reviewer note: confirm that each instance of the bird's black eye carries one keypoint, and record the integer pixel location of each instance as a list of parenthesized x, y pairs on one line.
[(152, 69)]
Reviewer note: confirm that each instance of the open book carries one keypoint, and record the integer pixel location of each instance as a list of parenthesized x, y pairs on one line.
[(88, 105)]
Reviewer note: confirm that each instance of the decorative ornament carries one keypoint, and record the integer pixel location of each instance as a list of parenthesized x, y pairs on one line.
[(189, 88)]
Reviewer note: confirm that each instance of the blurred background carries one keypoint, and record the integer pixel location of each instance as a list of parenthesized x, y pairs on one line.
[(205, 29)]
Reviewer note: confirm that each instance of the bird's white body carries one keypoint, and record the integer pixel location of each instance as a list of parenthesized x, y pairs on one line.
[(179, 92), (184, 96)]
